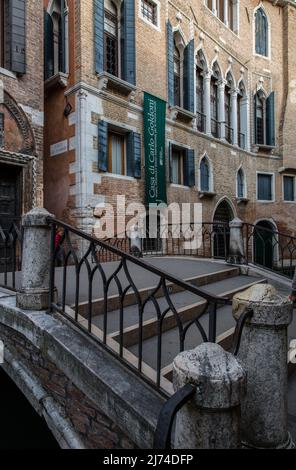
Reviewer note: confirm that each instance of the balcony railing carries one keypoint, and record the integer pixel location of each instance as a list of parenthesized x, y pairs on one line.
[(242, 140), (201, 122), (216, 128), (229, 134)]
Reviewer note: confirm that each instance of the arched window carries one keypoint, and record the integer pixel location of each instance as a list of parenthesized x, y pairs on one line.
[(111, 38), (177, 76), (56, 39), (214, 101), (241, 192), (227, 109), (205, 176), (261, 32), (200, 100)]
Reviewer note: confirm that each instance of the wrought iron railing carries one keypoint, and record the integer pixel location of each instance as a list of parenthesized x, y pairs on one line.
[(78, 257), (10, 251), (216, 128), (201, 122), (241, 140), (270, 249), (228, 134)]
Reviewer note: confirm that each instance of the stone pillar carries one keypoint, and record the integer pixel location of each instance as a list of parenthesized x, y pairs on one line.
[(211, 420), (233, 98), (34, 293), (207, 101), (225, 12), (221, 107), (136, 241), (263, 353), (236, 244)]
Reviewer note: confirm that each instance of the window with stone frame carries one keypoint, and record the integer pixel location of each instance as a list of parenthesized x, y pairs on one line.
[(265, 187), (149, 11), (177, 77), (261, 33), (205, 175), (240, 184), (111, 39), (178, 161), (289, 188), (116, 153), (200, 100), (260, 119), (56, 58)]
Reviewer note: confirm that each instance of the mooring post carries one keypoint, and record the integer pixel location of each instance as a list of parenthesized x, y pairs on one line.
[(236, 243), (263, 353), (211, 420), (34, 292)]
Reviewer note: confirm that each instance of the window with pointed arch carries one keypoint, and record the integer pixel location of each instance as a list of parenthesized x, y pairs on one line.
[(177, 76), (227, 11), (56, 39), (241, 189), (111, 38), (205, 175), (260, 112), (261, 33)]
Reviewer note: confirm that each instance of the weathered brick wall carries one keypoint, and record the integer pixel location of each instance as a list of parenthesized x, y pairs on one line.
[(95, 429)]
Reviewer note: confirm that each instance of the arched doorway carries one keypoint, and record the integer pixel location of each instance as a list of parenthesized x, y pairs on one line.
[(223, 215), (264, 243)]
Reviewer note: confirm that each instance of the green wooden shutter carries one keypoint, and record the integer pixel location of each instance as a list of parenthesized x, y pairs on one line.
[(103, 145), (270, 120), (99, 35), (133, 155), (128, 41), (189, 72), (170, 64), (48, 46), (17, 34), (189, 168)]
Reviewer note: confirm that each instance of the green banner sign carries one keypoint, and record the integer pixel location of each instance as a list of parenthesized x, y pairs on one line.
[(154, 139)]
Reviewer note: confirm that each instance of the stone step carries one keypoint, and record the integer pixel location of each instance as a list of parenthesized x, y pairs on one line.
[(199, 280), (188, 305)]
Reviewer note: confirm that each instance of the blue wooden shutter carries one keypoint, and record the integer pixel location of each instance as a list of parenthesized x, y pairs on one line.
[(170, 64), (103, 145), (128, 41), (133, 155), (189, 168), (99, 35), (189, 69), (289, 188), (48, 46), (170, 162), (17, 34), (264, 187), (270, 120), (62, 39)]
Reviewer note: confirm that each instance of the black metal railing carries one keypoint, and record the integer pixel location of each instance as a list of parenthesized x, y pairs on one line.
[(76, 265), (216, 128), (201, 122), (270, 249), (11, 236), (229, 134), (241, 140)]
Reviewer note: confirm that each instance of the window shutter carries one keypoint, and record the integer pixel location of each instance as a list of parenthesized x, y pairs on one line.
[(189, 169), (289, 192), (17, 20), (170, 162), (170, 64), (270, 121), (189, 68), (48, 46), (265, 187), (255, 118), (99, 35), (103, 145), (133, 155), (62, 39), (128, 41)]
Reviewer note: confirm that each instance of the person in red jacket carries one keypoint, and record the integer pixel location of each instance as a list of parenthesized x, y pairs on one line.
[(57, 245)]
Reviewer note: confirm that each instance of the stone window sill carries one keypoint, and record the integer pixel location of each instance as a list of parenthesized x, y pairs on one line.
[(206, 194), (60, 79), (110, 82), (177, 112), (242, 200)]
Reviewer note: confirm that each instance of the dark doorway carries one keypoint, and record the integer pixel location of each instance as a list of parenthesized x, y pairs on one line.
[(21, 427), (223, 215), (152, 243), (10, 209), (264, 244)]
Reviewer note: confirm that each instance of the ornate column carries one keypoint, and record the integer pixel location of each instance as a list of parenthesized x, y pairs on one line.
[(207, 100), (233, 104), (225, 12), (221, 107)]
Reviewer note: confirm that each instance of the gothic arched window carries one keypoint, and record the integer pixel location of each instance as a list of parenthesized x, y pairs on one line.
[(261, 32), (205, 181)]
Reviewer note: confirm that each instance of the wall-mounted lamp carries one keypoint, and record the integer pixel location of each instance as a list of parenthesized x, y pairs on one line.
[(67, 110)]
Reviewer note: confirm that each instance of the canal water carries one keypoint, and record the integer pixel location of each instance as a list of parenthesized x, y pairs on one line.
[(20, 426)]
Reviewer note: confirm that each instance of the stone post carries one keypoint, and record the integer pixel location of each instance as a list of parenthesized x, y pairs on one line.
[(236, 244), (34, 293), (211, 420), (135, 241), (263, 353)]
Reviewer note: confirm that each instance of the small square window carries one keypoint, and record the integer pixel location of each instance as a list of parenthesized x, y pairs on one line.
[(149, 11), (289, 188), (264, 187)]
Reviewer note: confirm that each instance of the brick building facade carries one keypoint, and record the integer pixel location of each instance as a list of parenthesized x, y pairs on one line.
[(21, 108), (225, 69)]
